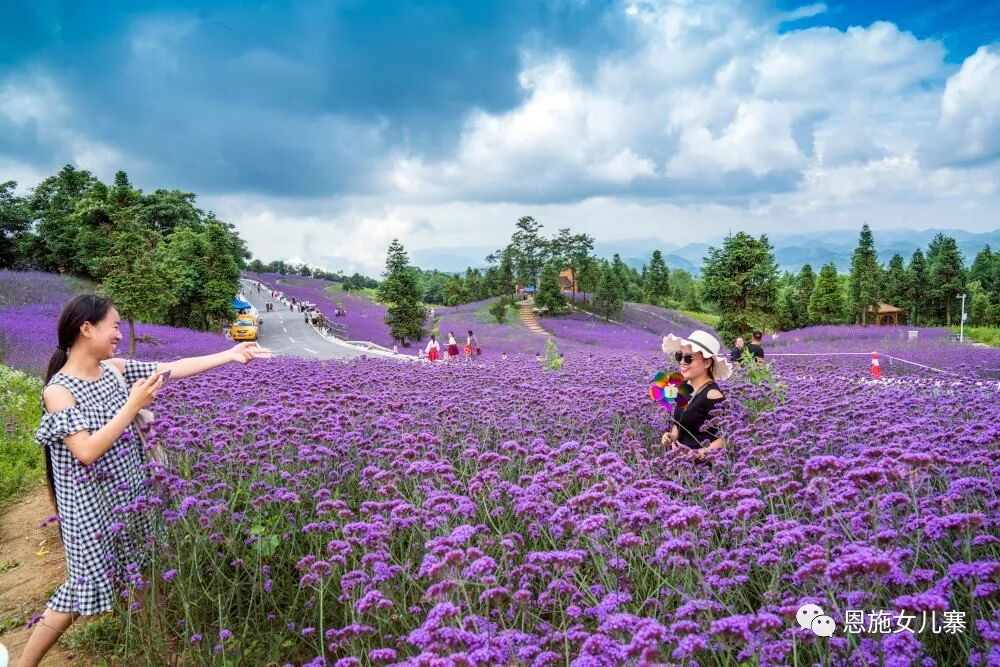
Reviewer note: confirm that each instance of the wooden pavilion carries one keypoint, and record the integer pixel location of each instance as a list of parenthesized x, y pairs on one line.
[(885, 315)]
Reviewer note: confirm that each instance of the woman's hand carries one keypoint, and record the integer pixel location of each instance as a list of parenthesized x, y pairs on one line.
[(668, 438), (144, 391), (244, 353)]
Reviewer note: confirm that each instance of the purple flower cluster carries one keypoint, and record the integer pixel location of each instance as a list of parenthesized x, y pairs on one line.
[(381, 513)]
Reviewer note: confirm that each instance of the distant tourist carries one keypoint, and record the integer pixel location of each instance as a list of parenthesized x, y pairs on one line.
[(503, 356), (700, 362), (756, 346), (471, 345), (737, 352), (433, 349), (452, 346)]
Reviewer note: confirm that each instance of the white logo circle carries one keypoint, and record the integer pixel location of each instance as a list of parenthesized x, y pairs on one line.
[(823, 626), (806, 614)]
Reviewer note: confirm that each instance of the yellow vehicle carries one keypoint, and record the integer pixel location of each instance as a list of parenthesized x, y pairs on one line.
[(244, 328)]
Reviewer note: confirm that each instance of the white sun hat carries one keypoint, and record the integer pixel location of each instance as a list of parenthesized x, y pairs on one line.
[(704, 342)]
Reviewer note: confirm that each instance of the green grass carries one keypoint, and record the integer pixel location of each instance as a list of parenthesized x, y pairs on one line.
[(987, 335), (704, 318), (22, 465)]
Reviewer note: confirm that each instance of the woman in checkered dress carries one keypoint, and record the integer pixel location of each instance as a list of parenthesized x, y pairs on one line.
[(93, 460)]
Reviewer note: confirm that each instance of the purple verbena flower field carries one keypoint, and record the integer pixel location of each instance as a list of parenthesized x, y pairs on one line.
[(494, 513)]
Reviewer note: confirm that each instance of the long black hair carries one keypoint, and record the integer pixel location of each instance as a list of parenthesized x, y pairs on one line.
[(84, 308)]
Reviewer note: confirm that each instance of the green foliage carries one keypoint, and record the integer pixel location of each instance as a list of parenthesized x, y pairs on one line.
[(551, 359), (786, 314), (656, 281), (22, 465), (162, 259), (895, 287), (401, 293), (706, 318), (549, 294), (917, 287), (826, 305), (978, 306), (200, 265), (15, 221), (741, 279), (803, 293), (684, 291), (760, 374), (947, 274), (609, 295), (865, 276), (498, 309), (131, 275), (572, 251), (986, 335)]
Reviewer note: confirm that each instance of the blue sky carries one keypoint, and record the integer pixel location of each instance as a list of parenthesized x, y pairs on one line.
[(324, 129)]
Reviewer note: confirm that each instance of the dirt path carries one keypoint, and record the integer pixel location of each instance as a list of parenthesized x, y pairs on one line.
[(25, 587)]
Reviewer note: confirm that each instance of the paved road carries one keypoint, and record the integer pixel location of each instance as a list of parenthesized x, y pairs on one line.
[(287, 334)]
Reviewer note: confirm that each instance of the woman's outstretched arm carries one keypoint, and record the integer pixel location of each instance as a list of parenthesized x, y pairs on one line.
[(240, 353)]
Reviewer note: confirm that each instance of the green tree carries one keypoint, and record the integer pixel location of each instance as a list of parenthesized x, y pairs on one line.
[(895, 286), (130, 273), (864, 276), (15, 224), (656, 282), (167, 210), (498, 309), (684, 290), (200, 266), (917, 287), (786, 315), (399, 291), (549, 294), (52, 204), (803, 292), (741, 279), (572, 251), (978, 305), (986, 269), (826, 305), (609, 294), (947, 273), (529, 250)]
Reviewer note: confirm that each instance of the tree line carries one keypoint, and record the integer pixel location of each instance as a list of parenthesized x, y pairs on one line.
[(157, 255), (742, 280)]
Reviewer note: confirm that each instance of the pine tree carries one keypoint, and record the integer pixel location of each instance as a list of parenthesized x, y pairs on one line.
[(826, 305), (804, 289), (400, 291), (609, 295), (895, 284), (785, 315), (656, 282), (741, 279), (947, 273), (864, 275), (986, 269), (549, 294), (917, 287)]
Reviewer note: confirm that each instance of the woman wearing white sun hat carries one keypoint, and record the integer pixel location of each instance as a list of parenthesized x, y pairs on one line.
[(702, 364)]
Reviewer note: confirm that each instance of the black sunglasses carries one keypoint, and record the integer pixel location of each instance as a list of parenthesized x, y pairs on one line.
[(686, 358)]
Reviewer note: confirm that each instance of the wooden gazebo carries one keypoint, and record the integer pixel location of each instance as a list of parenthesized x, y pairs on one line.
[(885, 314)]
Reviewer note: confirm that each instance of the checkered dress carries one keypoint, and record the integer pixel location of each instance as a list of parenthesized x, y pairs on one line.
[(100, 538)]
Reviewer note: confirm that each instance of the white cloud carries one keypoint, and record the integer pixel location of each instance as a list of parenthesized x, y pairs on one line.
[(34, 107), (968, 128)]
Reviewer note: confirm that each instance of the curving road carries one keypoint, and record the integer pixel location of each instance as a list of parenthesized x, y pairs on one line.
[(287, 334)]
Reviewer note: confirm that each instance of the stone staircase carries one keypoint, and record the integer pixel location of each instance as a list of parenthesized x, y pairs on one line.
[(529, 319)]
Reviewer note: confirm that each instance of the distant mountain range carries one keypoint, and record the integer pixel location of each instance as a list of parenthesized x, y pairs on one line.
[(790, 250)]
